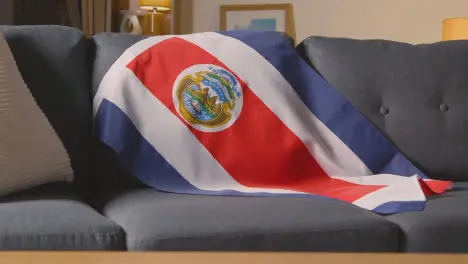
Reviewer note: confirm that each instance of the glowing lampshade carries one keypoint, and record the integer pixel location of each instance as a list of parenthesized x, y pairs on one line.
[(455, 28), (157, 5)]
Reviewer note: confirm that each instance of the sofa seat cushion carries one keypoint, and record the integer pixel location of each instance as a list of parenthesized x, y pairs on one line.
[(156, 220), (52, 218), (441, 227)]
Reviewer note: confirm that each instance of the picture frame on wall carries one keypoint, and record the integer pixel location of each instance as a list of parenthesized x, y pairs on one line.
[(272, 17)]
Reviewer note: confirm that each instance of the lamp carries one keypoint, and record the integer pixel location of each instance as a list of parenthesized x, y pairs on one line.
[(155, 5), (155, 20), (455, 28)]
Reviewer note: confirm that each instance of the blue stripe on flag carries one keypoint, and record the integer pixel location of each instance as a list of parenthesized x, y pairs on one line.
[(400, 207), (400, 163), (114, 128), (345, 121)]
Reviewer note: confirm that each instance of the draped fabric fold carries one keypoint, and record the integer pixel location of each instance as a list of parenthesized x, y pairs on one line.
[(240, 113)]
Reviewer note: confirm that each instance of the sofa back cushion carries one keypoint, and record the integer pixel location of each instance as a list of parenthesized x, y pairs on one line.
[(416, 94), (53, 61), (110, 173)]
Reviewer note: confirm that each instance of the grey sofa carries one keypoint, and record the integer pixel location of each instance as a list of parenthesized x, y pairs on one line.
[(414, 93)]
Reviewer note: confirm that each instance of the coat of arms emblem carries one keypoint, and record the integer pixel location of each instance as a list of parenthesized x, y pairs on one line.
[(208, 97)]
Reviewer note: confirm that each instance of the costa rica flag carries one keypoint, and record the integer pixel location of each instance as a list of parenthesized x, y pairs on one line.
[(240, 113)]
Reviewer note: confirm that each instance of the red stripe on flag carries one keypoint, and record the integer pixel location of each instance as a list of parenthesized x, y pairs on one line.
[(258, 150), (432, 187)]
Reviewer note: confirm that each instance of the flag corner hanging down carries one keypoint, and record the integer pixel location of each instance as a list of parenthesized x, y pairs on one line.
[(240, 113)]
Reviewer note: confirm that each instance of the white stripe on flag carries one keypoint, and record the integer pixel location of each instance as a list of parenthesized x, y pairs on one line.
[(330, 152), (211, 176), (115, 74), (335, 158), (399, 189)]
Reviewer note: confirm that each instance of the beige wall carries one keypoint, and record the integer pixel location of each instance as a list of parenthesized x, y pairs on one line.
[(414, 21)]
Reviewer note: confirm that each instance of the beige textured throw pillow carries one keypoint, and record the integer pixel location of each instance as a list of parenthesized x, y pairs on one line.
[(31, 153)]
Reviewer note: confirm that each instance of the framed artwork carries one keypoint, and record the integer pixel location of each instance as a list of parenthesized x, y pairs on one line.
[(275, 17)]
